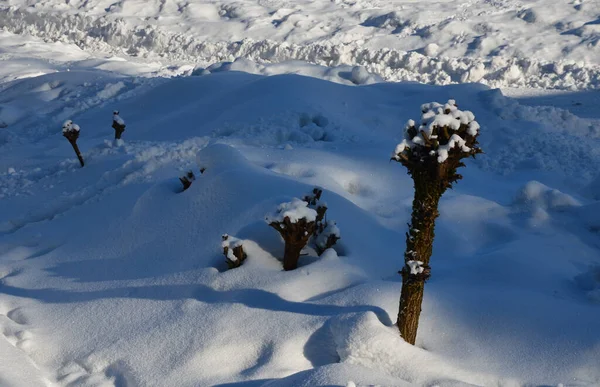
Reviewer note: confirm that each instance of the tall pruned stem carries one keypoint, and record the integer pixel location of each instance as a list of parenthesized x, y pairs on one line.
[(77, 152), (419, 247), (432, 153)]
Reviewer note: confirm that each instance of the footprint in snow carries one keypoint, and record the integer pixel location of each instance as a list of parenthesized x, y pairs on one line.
[(94, 372), (12, 322)]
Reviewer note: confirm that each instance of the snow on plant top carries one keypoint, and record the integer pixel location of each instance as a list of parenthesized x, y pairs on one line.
[(117, 118), (295, 210), (231, 243), (70, 126), (443, 128), (330, 229)]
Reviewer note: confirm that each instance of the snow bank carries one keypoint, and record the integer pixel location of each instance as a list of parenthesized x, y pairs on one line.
[(116, 36)]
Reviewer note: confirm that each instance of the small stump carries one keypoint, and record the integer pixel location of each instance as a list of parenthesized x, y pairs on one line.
[(233, 249), (187, 179)]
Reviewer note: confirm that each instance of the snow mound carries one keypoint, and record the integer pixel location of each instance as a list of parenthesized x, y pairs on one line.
[(361, 339), (535, 195), (342, 375), (216, 158)]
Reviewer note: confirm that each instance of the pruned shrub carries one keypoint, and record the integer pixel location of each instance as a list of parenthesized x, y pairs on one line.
[(296, 223), (233, 249), (431, 151), (326, 236), (326, 232)]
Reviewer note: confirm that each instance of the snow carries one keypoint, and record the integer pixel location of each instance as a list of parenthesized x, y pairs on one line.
[(111, 276), (231, 243), (70, 126), (295, 211), (435, 115), (415, 267), (331, 228), (118, 119)]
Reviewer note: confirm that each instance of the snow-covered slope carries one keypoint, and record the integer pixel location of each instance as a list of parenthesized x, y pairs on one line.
[(110, 276)]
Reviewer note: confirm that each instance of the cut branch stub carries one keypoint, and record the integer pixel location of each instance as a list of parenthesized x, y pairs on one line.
[(233, 249), (187, 179), (118, 125), (296, 223), (327, 236), (432, 153), (70, 131), (313, 200)]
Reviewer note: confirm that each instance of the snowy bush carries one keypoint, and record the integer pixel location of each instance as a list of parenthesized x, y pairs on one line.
[(432, 152), (233, 249), (70, 131), (327, 236), (295, 221), (326, 233), (313, 200)]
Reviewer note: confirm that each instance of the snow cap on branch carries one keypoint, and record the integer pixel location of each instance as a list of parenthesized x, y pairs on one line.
[(295, 210), (444, 128), (231, 243), (415, 267), (330, 230), (117, 118), (70, 126)]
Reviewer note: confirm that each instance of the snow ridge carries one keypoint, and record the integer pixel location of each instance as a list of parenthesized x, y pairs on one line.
[(113, 35)]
